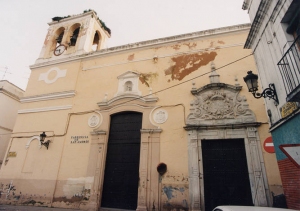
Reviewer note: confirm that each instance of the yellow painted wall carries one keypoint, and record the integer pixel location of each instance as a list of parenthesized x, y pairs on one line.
[(60, 173)]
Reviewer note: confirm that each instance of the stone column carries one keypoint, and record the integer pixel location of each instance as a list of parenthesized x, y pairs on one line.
[(149, 158), (194, 186), (95, 168), (258, 185)]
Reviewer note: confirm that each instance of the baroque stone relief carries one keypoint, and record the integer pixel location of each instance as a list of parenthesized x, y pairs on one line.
[(95, 120), (219, 104), (160, 116)]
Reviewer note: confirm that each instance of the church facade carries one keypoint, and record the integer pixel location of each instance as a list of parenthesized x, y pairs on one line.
[(162, 124)]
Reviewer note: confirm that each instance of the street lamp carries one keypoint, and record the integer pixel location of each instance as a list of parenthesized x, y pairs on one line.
[(251, 81), (42, 140)]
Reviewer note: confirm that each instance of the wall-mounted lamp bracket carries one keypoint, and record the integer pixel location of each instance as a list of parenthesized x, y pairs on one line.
[(42, 140), (268, 92), (251, 81)]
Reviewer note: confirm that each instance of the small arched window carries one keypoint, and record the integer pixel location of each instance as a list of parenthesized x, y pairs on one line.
[(74, 37), (73, 34), (128, 86), (96, 41), (59, 38), (56, 39)]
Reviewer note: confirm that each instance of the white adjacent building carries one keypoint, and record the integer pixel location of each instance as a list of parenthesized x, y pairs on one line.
[(275, 41), (9, 105)]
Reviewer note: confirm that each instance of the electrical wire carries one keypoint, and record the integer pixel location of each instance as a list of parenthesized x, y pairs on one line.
[(175, 85), (170, 87)]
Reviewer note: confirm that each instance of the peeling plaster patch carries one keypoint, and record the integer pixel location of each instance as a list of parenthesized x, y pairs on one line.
[(176, 47), (221, 42), (176, 197), (186, 64), (47, 37), (168, 191), (77, 185), (211, 44), (146, 78), (180, 189), (83, 32), (174, 179), (130, 57), (64, 199), (190, 45)]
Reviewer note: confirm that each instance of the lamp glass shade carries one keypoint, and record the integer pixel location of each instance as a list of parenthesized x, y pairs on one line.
[(251, 81)]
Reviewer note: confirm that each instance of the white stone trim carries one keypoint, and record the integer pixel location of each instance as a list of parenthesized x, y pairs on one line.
[(130, 98), (131, 77), (160, 116), (255, 162), (52, 108), (31, 139), (52, 96), (95, 120), (59, 74)]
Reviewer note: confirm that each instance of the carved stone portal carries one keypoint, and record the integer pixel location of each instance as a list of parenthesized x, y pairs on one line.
[(219, 112), (217, 104)]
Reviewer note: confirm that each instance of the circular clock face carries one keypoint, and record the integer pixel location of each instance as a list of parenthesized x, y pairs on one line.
[(59, 50)]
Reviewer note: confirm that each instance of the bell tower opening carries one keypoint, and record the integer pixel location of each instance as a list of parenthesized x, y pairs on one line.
[(59, 38), (96, 41), (74, 37), (56, 39), (70, 36)]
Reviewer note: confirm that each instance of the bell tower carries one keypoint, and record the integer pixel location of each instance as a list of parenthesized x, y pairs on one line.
[(74, 35)]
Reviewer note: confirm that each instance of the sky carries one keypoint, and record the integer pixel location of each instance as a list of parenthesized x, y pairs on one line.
[(24, 24)]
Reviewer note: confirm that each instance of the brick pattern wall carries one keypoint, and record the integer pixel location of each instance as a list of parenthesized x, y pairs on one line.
[(290, 176)]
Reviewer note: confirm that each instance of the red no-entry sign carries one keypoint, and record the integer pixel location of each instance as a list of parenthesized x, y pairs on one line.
[(269, 145)]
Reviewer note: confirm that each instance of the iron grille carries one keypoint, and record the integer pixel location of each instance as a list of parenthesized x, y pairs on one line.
[(289, 66)]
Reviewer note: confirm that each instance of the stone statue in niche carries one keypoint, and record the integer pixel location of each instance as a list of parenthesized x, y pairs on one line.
[(128, 86)]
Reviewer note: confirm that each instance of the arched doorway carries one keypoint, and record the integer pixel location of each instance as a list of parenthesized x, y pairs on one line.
[(121, 176)]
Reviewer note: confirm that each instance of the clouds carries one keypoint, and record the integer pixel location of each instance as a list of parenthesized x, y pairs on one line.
[(24, 24)]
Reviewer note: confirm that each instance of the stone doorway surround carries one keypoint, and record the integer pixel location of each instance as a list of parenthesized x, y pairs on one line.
[(149, 152), (219, 112)]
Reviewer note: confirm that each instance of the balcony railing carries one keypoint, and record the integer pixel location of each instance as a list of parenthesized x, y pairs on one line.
[(289, 66)]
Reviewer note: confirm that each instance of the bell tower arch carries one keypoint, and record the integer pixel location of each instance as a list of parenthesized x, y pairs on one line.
[(74, 35)]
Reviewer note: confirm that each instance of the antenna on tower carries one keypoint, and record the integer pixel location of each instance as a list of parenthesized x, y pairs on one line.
[(5, 72)]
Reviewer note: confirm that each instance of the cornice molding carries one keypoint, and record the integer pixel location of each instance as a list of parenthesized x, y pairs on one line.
[(147, 44), (257, 22), (216, 85), (130, 98), (51, 96), (72, 17), (280, 122), (222, 126), (9, 94), (245, 5), (52, 108), (98, 132), (5, 128), (151, 131)]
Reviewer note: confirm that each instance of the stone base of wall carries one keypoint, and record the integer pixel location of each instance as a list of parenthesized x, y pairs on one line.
[(290, 176)]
